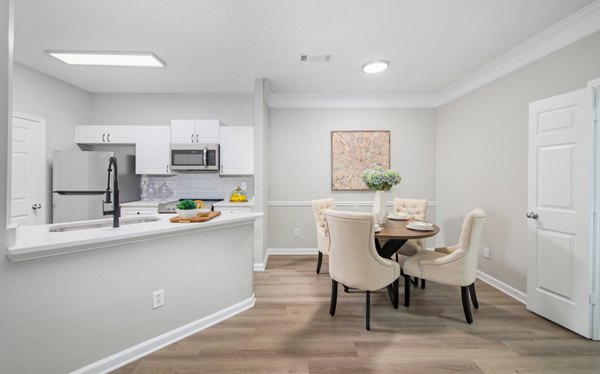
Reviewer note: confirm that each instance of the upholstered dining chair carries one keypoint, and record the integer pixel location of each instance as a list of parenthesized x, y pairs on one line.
[(353, 258), (455, 265), (319, 207), (417, 209)]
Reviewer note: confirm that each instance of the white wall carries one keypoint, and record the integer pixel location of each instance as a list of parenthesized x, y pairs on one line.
[(160, 109), (62, 105), (481, 144), (300, 162)]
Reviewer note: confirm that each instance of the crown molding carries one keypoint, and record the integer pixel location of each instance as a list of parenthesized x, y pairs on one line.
[(291, 100), (577, 26)]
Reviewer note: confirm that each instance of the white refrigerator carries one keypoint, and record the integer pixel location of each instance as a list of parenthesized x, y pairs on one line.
[(79, 180)]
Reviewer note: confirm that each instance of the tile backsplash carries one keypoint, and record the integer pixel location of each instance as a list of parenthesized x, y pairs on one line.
[(201, 185)]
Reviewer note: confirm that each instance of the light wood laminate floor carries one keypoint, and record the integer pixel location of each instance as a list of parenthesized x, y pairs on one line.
[(290, 331)]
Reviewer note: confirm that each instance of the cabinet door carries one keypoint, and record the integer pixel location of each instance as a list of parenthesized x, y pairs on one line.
[(120, 134), (183, 131), (152, 150), (105, 134), (90, 134), (207, 131), (237, 150), (136, 211)]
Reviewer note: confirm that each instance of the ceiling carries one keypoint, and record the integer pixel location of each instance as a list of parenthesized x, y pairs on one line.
[(221, 46)]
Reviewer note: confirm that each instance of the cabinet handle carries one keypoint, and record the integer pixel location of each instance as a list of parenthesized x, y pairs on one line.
[(103, 141), (167, 168), (196, 138), (108, 138), (221, 169), (192, 138)]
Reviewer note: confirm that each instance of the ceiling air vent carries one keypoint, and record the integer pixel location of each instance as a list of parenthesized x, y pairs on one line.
[(316, 58)]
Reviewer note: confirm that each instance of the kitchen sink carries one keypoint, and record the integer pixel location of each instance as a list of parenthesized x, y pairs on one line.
[(99, 224)]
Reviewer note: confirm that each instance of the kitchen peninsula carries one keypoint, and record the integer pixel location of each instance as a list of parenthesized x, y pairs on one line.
[(108, 277)]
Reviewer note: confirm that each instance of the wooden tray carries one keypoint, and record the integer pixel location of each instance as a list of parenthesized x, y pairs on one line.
[(210, 216)]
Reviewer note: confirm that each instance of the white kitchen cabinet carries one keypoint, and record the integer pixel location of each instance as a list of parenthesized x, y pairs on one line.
[(186, 131), (237, 150), (152, 154), (138, 211), (105, 134)]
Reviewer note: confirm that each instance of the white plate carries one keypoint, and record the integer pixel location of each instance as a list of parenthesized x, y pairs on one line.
[(398, 217), (420, 227)]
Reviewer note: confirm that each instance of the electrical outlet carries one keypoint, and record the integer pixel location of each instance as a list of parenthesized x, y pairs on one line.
[(296, 232), (158, 298), (244, 186), (486, 252)]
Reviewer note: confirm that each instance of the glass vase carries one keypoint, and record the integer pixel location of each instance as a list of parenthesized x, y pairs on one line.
[(379, 207)]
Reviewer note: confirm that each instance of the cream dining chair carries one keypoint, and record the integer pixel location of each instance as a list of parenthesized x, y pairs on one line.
[(319, 207), (417, 208), (455, 265), (353, 258)]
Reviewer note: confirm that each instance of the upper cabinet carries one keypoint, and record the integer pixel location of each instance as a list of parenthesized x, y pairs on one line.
[(105, 134), (152, 150), (195, 131), (237, 150)]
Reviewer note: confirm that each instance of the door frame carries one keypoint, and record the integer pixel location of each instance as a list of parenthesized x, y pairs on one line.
[(594, 86), (44, 198)]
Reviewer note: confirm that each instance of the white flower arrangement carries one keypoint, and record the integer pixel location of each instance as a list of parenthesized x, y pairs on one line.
[(380, 179)]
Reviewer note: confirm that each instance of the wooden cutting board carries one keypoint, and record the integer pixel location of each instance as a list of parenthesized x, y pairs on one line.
[(210, 216)]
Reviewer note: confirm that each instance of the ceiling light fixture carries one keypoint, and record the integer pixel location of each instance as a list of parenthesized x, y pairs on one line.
[(374, 67), (131, 59)]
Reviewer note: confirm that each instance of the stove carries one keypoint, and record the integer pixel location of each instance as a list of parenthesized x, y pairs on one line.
[(170, 207)]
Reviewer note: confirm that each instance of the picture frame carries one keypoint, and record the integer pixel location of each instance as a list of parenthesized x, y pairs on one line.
[(352, 152)]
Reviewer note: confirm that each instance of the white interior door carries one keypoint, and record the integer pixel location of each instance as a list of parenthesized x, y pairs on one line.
[(560, 202), (28, 205)]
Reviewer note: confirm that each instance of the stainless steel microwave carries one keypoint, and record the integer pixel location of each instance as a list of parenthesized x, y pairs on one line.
[(195, 157)]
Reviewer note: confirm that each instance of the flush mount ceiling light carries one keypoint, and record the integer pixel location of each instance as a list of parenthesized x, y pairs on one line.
[(374, 67), (131, 59)]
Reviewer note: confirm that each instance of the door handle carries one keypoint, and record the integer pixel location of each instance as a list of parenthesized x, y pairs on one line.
[(532, 215), (36, 206), (108, 138), (103, 141), (205, 157)]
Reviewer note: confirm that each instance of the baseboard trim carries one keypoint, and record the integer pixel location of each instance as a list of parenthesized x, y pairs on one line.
[(292, 251), (138, 351), (261, 266), (501, 286)]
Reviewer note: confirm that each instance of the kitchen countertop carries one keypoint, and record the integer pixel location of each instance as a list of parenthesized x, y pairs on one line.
[(143, 203), (36, 241)]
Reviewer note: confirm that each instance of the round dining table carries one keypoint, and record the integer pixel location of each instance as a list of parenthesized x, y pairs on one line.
[(396, 234)]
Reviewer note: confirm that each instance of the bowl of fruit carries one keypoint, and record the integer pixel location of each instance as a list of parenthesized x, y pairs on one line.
[(202, 208), (187, 209)]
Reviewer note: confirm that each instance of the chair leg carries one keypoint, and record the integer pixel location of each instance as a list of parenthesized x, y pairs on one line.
[(346, 289), (406, 290), (466, 305), (415, 281), (334, 287), (422, 283), (473, 296), (396, 292), (319, 262), (368, 310)]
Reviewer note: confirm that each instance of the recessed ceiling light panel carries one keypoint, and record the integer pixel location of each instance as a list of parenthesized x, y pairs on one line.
[(131, 59), (375, 67)]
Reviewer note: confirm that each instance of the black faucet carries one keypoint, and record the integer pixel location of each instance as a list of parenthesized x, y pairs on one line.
[(116, 211)]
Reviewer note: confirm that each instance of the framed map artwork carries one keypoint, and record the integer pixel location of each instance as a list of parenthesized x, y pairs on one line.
[(354, 151)]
